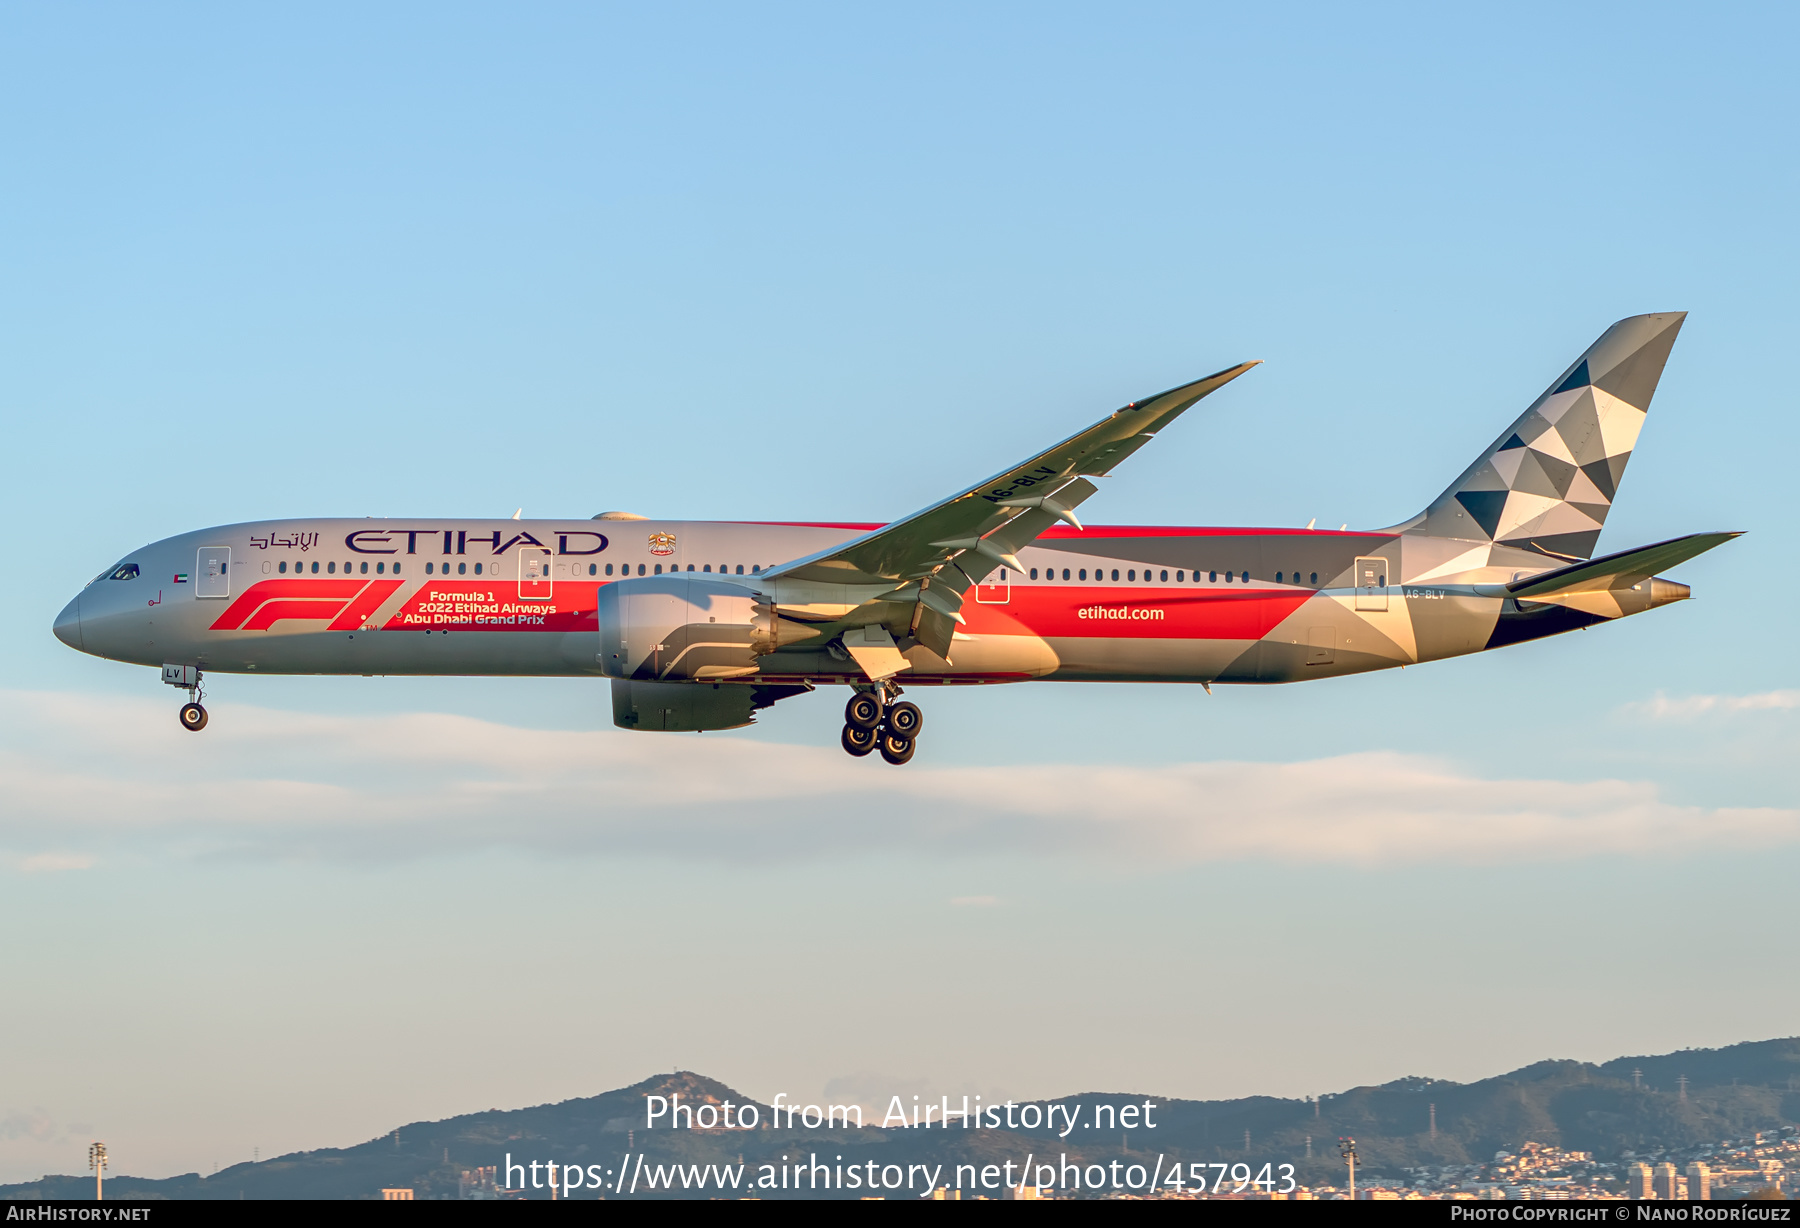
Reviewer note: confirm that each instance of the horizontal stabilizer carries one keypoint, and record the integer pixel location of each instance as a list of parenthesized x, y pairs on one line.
[(1620, 570)]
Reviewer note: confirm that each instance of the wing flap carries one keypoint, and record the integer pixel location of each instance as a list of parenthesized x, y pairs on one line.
[(920, 544)]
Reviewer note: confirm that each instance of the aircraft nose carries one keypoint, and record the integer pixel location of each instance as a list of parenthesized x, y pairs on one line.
[(68, 624)]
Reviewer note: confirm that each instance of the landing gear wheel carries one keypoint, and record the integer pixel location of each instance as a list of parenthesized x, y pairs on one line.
[(863, 711), (193, 717), (897, 750), (905, 720), (858, 741)]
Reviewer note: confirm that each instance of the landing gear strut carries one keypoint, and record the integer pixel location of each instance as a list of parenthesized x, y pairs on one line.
[(188, 678), (873, 721)]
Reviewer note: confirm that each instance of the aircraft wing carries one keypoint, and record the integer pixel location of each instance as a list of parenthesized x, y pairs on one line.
[(1619, 570), (989, 519), (934, 556)]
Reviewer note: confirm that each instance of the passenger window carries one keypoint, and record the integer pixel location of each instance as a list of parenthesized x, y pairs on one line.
[(462, 569), (1315, 579), (396, 569), (1065, 573), (282, 569), (1132, 575), (1034, 573), (641, 569), (428, 569), (1181, 577), (593, 569), (1229, 577), (659, 569), (708, 567), (1164, 577), (1084, 573), (1212, 577), (1245, 577), (1115, 573), (379, 568), (740, 569), (478, 569), (756, 569), (1278, 577), (315, 568), (364, 569), (331, 569)]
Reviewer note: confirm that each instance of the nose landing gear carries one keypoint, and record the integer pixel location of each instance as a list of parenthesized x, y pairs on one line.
[(187, 677), (872, 721)]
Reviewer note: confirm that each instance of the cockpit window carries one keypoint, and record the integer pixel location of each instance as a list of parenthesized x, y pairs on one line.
[(125, 571)]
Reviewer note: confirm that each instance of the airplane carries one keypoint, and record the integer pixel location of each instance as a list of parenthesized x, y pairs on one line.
[(700, 625)]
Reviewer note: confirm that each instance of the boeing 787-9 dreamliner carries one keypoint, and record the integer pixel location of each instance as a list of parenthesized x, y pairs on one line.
[(699, 624)]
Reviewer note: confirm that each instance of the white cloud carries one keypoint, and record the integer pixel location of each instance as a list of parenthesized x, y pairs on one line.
[(35, 1125), (50, 863), (100, 773), (1690, 707)]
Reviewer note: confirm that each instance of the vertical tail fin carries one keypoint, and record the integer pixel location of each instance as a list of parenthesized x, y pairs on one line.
[(1549, 480)]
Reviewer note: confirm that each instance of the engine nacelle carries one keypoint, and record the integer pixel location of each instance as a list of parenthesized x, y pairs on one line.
[(688, 628), (682, 707)]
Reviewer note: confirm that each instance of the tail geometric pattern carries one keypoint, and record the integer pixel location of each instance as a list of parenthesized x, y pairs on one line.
[(1547, 483)]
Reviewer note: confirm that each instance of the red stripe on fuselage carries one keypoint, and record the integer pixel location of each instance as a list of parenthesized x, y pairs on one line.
[(313, 591), (1059, 531), (1149, 613), (496, 606), (360, 609), (1103, 530), (272, 612)]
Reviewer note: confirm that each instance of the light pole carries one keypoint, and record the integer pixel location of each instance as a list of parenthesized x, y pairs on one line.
[(1347, 1149), (97, 1162)]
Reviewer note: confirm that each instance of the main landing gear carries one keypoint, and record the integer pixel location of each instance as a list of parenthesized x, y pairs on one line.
[(873, 722)]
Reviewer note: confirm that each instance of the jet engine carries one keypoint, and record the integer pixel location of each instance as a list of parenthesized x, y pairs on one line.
[(687, 628)]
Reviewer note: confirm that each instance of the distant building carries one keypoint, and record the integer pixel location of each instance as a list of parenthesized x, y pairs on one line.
[(1637, 1181), (478, 1183), (396, 1196), (1664, 1182), (1699, 1178)]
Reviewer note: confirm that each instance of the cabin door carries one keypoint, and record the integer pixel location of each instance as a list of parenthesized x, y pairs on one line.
[(1372, 584), (534, 573), (1000, 593), (212, 572)]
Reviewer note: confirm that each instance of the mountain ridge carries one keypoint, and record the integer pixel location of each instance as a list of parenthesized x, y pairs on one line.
[(1628, 1103)]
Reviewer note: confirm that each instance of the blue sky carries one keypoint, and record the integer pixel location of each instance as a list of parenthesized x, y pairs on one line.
[(709, 262)]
